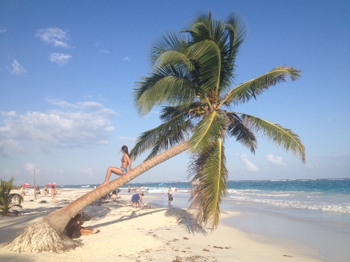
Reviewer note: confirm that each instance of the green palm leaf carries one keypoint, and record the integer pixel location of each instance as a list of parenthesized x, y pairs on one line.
[(167, 42), (227, 36), (168, 134), (6, 198), (277, 134), (207, 132), (252, 88), (241, 132), (166, 85), (208, 184), (207, 55)]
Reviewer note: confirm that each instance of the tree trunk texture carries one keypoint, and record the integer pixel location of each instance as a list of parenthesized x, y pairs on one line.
[(47, 235)]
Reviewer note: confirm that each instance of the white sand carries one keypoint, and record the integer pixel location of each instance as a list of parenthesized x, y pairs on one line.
[(150, 234)]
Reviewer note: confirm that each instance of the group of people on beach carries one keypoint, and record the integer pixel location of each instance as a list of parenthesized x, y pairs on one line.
[(126, 166), (75, 227)]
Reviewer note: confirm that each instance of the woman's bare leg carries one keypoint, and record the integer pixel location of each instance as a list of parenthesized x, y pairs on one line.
[(85, 231), (110, 170)]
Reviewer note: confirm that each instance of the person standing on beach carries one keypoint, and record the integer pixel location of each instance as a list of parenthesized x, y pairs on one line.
[(126, 166), (53, 193), (170, 196)]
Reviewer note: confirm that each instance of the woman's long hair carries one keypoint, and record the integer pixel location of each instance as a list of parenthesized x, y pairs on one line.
[(125, 150)]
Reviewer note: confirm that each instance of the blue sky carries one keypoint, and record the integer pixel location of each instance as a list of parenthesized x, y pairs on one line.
[(68, 70)]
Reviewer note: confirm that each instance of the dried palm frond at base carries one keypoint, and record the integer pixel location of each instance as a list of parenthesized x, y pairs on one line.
[(40, 237)]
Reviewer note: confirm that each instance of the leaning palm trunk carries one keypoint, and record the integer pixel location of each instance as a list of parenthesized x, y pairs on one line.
[(47, 235)]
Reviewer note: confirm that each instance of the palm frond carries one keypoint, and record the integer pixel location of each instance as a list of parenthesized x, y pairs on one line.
[(165, 43), (277, 134), (161, 138), (208, 184), (237, 128), (207, 132), (201, 28), (252, 88), (176, 59), (237, 33), (227, 36), (168, 86), (169, 113), (8, 200), (234, 36), (208, 56)]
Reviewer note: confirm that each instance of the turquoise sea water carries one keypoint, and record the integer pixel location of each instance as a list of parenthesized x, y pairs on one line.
[(326, 195)]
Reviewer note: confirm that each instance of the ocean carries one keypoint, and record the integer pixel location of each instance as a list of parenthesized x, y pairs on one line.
[(326, 195), (312, 212)]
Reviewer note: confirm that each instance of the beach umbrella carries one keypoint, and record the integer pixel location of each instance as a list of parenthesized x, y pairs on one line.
[(49, 185), (26, 185)]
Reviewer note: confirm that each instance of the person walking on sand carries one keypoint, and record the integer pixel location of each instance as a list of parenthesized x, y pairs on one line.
[(170, 196), (126, 166)]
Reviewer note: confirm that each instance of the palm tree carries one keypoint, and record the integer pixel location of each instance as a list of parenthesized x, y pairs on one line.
[(192, 76), (8, 200)]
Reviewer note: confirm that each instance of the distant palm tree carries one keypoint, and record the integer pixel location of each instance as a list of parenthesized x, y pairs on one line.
[(192, 77), (8, 200)]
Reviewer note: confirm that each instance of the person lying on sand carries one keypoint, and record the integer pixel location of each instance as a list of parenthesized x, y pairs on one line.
[(75, 229)]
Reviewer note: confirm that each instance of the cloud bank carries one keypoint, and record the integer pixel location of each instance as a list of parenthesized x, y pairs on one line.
[(69, 125)]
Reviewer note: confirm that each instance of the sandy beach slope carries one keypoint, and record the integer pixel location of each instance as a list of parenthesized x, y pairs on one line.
[(155, 233)]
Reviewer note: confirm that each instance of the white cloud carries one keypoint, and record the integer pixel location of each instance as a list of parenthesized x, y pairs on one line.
[(248, 164), (60, 59), (30, 167), (127, 59), (127, 139), (275, 160), (70, 125), (17, 68), (54, 36), (103, 51), (82, 106), (3, 30)]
